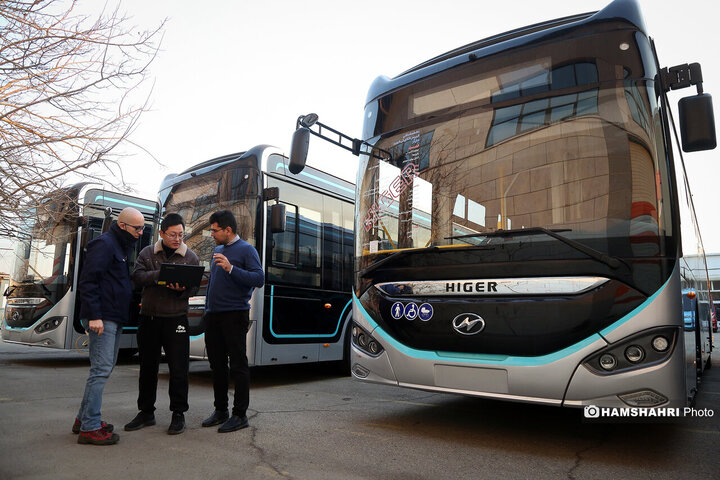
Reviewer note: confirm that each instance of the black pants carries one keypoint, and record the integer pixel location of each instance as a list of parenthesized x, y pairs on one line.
[(225, 334), (170, 333)]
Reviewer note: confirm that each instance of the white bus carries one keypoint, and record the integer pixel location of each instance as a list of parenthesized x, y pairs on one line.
[(303, 312), (42, 305)]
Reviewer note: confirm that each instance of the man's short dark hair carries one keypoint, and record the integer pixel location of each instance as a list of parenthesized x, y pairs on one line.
[(224, 219), (170, 220)]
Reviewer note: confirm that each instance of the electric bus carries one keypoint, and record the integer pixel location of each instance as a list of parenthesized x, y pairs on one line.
[(550, 266), (42, 303), (302, 228)]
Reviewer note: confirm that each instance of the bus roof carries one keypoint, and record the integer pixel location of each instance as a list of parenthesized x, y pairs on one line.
[(623, 10)]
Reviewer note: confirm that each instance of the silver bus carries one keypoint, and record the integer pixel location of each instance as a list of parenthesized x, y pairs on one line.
[(522, 219)]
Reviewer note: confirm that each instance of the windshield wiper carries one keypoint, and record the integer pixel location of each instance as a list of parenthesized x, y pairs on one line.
[(402, 253), (391, 258), (612, 262)]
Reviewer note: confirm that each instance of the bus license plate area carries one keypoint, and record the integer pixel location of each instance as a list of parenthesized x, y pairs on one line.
[(491, 380)]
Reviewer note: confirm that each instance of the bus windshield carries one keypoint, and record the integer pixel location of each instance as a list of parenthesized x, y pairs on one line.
[(42, 268), (564, 136), (230, 187)]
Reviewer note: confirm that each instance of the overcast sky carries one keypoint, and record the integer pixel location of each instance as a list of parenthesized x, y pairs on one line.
[(234, 74)]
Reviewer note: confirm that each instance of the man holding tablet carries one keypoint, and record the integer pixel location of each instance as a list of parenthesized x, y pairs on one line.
[(163, 325)]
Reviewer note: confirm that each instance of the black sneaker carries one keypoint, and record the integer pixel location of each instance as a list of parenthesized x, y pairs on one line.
[(217, 417), (234, 423), (141, 420), (177, 425)]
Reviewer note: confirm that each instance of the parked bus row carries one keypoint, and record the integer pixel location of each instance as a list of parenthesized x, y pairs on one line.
[(301, 315), (520, 222)]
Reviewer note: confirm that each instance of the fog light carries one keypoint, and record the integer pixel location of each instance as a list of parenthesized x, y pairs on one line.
[(660, 343), (360, 371), (644, 398), (608, 362), (634, 353)]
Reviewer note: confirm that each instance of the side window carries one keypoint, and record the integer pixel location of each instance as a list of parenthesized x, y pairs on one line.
[(295, 255), (309, 245), (333, 265), (348, 236)]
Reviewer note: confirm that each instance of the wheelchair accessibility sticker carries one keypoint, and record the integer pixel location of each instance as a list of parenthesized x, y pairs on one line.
[(411, 311)]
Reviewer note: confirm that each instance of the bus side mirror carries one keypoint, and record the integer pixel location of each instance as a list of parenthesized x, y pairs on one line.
[(697, 123), (277, 218), (299, 150)]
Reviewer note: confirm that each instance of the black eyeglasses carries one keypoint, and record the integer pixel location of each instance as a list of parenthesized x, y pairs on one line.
[(137, 228)]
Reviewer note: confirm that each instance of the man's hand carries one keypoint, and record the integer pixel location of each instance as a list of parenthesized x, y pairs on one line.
[(96, 326), (222, 261), (176, 286)]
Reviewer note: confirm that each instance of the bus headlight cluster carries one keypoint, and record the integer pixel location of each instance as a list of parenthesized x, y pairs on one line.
[(365, 342), (638, 351), (50, 324)]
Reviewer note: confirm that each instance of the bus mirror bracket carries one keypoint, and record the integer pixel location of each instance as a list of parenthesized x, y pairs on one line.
[(697, 119), (271, 193), (301, 140)]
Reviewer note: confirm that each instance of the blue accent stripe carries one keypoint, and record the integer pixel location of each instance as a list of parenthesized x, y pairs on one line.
[(303, 335), (336, 185), (485, 359), (139, 206), (605, 331)]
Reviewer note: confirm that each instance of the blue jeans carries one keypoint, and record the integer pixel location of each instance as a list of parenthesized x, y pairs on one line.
[(103, 355)]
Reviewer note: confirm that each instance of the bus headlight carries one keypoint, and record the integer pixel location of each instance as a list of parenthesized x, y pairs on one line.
[(608, 362), (637, 351), (660, 343), (365, 342), (634, 353)]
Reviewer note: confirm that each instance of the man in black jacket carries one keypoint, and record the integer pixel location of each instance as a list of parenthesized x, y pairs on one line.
[(163, 324), (105, 293)]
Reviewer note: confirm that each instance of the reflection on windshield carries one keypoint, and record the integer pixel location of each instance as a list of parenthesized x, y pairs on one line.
[(231, 187), (561, 148), (43, 253)]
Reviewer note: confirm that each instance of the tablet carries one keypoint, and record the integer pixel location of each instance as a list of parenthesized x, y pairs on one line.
[(186, 275)]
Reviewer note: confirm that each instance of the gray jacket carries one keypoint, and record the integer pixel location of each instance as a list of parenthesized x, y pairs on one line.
[(157, 300)]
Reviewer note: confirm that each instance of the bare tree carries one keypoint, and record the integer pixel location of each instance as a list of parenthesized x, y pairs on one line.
[(71, 91)]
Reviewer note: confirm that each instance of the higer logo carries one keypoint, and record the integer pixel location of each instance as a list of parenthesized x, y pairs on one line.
[(468, 324)]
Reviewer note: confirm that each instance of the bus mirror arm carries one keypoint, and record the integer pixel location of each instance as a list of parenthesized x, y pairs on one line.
[(301, 139), (697, 120)]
